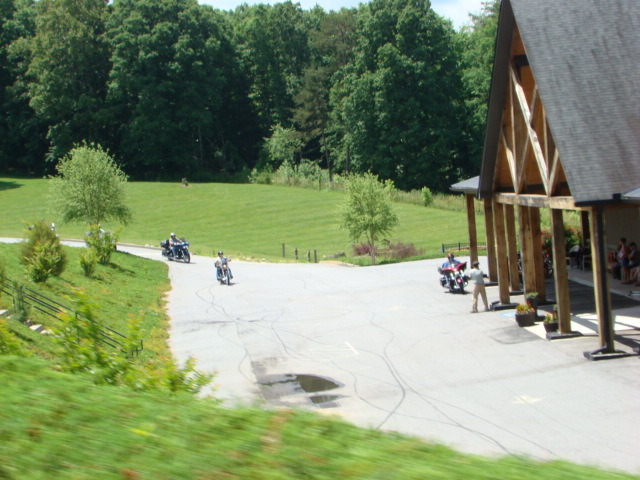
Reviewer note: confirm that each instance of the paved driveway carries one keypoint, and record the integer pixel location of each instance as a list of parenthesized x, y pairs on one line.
[(387, 348)]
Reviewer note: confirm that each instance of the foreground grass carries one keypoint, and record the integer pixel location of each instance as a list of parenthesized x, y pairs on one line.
[(53, 425), (251, 221)]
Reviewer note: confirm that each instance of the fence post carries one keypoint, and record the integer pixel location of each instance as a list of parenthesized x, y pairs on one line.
[(283, 250), (443, 248), (308, 255), (315, 256), (296, 252)]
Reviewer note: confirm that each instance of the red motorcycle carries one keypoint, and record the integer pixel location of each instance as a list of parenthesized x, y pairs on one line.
[(454, 278)]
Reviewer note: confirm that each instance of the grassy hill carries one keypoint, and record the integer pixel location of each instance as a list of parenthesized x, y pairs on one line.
[(243, 220)]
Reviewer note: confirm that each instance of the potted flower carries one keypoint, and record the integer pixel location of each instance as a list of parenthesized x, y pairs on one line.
[(525, 315), (532, 299), (551, 322)]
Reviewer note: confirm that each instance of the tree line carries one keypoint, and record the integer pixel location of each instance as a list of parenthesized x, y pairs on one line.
[(175, 89)]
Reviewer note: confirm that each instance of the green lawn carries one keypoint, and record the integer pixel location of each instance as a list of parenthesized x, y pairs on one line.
[(243, 220), (129, 287)]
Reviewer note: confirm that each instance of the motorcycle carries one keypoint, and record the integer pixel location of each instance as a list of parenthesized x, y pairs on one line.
[(223, 273), (454, 278), (547, 265), (181, 251)]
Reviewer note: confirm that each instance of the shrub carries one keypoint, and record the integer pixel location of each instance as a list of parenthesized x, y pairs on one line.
[(42, 238), (572, 236), (102, 242), (402, 250), (45, 261), (79, 339), (88, 260), (360, 249), (427, 197)]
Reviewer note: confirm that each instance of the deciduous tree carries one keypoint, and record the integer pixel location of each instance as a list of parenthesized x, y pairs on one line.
[(89, 187), (368, 209)]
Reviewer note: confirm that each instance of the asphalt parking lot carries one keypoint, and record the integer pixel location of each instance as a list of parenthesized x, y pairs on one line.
[(388, 348)]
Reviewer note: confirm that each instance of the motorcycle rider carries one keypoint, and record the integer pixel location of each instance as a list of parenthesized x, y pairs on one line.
[(450, 262), (173, 241), (222, 260)]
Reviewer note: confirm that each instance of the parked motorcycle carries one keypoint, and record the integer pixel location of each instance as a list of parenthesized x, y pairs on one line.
[(223, 273), (181, 251), (454, 278), (547, 265)]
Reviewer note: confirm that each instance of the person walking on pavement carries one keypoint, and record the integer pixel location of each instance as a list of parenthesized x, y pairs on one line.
[(478, 278)]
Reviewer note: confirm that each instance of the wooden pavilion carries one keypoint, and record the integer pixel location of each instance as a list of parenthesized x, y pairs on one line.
[(563, 133)]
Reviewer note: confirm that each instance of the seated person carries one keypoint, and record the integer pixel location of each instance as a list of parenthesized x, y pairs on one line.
[(222, 260), (633, 260), (450, 262), (173, 241), (619, 259)]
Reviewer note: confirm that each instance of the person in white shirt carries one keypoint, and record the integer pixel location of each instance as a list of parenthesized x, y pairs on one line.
[(477, 277)]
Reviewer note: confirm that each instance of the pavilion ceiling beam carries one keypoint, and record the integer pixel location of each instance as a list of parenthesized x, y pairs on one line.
[(539, 201)]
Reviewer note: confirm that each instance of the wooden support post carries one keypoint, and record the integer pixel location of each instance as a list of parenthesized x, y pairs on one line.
[(601, 280), (491, 243), (585, 228), (526, 253), (512, 246), (501, 252), (536, 245), (560, 271), (471, 223)]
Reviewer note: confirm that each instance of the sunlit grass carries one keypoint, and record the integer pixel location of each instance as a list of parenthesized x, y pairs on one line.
[(129, 287), (251, 221)]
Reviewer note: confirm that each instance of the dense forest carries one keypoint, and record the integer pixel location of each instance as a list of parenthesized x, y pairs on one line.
[(175, 89)]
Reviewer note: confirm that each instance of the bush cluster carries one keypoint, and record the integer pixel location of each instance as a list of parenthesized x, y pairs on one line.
[(102, 244), (82, 349), (392, 250), (42, 253), (403, 250)]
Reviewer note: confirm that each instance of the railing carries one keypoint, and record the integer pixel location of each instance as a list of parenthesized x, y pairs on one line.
[(448, 247), (52, 308)]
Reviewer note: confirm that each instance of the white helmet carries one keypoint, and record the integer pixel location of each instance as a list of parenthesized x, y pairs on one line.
[(173, 234)]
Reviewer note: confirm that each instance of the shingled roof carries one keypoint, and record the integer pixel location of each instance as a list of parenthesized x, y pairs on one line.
[(585, 59)]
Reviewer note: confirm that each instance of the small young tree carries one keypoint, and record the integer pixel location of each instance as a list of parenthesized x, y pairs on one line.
[(368, 209), (89, 187), (42, 252)]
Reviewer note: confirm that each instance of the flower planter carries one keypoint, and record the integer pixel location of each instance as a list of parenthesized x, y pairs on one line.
[(551, 326), (526, 319)]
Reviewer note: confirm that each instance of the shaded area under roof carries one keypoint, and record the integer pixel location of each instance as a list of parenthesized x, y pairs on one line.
[(584, 59)]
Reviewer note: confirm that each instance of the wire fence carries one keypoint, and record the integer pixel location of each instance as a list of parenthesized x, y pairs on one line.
[(53, 308), (294, 252)]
